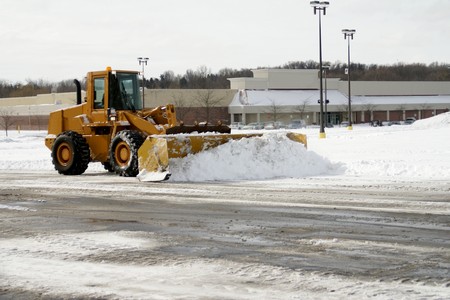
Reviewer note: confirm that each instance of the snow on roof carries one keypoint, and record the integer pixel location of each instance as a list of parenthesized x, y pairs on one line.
[(311, 97), (437, 99)]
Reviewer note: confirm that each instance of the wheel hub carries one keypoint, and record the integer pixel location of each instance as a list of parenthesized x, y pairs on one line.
[(64, 154), (122, 154)]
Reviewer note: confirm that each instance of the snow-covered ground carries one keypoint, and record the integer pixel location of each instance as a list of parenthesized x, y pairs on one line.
[(67, 263), (60, 265), (417, 152)]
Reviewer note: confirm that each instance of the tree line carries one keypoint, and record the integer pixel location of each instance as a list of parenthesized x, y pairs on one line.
[(203, 78), (34, 87)]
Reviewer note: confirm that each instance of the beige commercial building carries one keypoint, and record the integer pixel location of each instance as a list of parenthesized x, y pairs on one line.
[(32, 112), (286, 95), (192, 105)]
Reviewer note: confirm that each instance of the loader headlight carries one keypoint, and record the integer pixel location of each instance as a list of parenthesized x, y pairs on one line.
[(112, 114)]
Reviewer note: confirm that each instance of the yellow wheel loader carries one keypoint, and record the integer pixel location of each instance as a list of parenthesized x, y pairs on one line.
[(112, 127)]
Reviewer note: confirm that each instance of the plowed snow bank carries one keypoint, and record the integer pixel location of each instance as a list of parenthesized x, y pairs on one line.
[(269, 156)]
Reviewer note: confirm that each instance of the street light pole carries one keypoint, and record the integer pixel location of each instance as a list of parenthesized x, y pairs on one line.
[(320, 6), (143, 62), (348, 33), (325, 70)]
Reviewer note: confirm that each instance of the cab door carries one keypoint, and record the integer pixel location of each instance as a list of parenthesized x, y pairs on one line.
[(100, 128), (99, 97)]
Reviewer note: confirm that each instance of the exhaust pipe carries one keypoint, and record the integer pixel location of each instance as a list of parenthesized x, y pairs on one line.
[(77, 83)]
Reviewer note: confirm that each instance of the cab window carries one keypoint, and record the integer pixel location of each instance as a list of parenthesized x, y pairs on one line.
[(99, 93), (124, 92)]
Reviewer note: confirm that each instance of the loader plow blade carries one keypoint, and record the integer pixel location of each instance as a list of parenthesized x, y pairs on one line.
[(155, 152), (153, 160)]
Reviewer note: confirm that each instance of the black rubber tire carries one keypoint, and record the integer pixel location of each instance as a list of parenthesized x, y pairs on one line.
[(108, 166), (123, 153), (70, 153)]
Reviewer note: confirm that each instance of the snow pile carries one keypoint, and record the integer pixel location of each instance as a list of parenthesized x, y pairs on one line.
[(24, 151), (439, 121), (270, 156), (410, 152)]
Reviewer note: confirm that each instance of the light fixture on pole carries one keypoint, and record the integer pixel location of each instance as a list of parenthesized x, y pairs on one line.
[(348, 34), (143, 62), (320, 6)]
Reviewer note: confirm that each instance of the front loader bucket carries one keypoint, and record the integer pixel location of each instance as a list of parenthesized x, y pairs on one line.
[(155, 152), (153, 160)]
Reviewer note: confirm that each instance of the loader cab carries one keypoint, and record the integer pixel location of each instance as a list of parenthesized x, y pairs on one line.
[(118, 90)]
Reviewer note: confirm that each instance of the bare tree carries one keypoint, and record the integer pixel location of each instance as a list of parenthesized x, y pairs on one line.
[(343, 109), (370, 108), (302, 108), (168, 80), (6, 119), (402, 108), (208, 99), (183, 106), (274, 110), (423, 107), (38, 121)]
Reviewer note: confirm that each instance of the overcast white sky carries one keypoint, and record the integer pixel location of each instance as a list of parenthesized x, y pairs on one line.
[(58, 39)]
